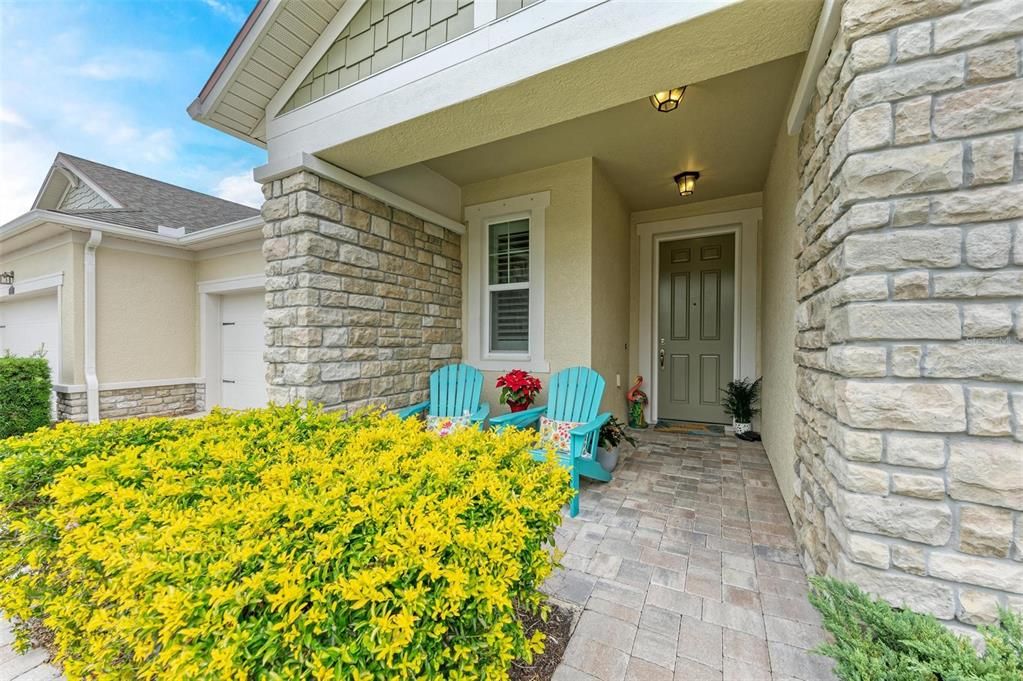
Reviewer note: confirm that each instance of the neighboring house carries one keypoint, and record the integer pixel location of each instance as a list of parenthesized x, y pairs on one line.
[(147, 298), (488, 183)]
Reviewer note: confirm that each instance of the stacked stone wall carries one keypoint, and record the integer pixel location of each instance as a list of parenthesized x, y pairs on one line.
[(164, 400), (363, 300), (910, 280)]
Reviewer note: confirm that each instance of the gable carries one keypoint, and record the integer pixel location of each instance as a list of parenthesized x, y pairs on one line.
[(381, 34), (82, 197)]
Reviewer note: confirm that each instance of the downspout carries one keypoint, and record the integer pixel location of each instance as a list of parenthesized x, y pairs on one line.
[(91, 381)]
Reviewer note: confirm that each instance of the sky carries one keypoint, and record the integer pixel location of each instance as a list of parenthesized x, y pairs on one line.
[(109, 80)]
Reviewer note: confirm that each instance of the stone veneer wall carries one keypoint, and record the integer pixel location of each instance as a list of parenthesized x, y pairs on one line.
[(363, 300), (910, 412), (164, 400)]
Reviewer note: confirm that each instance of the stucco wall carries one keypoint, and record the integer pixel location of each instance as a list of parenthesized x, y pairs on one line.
[(567, 286), (610, 295), (779, 244), (145, 316), (245, 264)]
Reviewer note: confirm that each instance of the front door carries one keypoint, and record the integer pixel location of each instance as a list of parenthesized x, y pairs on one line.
[(696, 297)]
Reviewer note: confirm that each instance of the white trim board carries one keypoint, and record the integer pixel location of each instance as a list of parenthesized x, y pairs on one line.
[(820, 48), (304, 161), (745, 225), (533, 206), (210, 293)]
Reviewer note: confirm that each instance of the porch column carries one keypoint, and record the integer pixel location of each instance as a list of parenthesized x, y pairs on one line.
[(910, 410), (363, 300)]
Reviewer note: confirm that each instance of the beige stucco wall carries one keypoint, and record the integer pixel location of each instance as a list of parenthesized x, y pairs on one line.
[(56, 255), (609, 339), (779, 243), (244, 264), (567, 285), (145, 316)]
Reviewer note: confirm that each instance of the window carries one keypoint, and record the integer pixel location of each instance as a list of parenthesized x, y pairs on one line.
[(508, 285), (505, 323)]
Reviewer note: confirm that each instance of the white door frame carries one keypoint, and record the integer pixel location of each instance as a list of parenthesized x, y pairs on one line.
[(210, 293), (43, 285), (744, 224)]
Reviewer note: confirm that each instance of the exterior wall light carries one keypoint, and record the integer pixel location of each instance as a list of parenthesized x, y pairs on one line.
[(669, 99), (686, 182), (7, 279)]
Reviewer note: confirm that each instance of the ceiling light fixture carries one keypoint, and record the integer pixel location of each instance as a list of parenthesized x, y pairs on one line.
[(686, 182), (669, 99)]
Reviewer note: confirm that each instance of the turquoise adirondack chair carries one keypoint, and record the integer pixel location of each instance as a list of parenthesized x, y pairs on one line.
[(454, 391), (573, 395)]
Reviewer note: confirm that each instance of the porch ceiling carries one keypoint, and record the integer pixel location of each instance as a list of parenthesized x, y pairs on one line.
[(725, 129)]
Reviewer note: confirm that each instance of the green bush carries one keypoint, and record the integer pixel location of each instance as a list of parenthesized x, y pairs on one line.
[(24, 395), (875, 642), (281, 543)]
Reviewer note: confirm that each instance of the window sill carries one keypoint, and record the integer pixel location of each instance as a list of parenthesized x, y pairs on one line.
[(509, 363)]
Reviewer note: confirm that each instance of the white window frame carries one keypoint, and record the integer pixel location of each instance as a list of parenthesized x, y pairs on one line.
[(532, 207)]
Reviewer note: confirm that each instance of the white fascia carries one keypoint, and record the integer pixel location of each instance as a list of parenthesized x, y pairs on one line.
[(514, 48), (193, 241), (820, 48)]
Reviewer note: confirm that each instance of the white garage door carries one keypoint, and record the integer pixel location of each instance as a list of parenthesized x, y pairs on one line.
[(28, 324), (241, 351)]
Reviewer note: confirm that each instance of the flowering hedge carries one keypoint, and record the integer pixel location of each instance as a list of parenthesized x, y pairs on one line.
[(278, 543)]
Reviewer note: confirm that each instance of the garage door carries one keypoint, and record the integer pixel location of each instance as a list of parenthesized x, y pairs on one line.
[(27, 324), (241, 346)]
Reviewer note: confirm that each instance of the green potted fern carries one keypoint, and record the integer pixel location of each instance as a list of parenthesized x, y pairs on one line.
[(741, 402)]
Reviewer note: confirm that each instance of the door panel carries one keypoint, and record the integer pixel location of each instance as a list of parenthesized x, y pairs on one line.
[(243, 374), (696, 316), (28, 324)]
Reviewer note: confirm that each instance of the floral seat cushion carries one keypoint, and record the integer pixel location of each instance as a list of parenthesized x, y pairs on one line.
[(444, 425), (555, 434)]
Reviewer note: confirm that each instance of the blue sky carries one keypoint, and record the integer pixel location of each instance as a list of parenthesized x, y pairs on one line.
[(109, 80)]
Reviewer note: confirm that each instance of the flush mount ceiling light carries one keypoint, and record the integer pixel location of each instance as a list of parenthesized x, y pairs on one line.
[(669, 99), (686, 182)]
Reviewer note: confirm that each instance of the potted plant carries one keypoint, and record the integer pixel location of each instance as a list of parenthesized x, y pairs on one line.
[(611, 435), (741, 402), (518, 389)]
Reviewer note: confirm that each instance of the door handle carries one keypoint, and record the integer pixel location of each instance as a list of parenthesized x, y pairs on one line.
[(226, 381), (661, 355)]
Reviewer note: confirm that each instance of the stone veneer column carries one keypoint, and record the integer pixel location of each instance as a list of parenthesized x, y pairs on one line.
[(910, 409), (363, 300)]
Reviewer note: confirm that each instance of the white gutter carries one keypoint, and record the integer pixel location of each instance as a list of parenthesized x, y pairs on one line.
[(91, 380), (317, 166), (820, 48), (36, 217)]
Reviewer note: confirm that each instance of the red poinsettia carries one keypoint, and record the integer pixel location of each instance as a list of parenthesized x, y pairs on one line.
[(518, 389)]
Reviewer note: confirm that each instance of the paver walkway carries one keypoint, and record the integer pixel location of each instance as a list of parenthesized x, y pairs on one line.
[(685, 567), (31, 666)]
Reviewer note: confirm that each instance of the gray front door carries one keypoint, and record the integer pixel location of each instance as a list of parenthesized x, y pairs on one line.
[(696, 298)]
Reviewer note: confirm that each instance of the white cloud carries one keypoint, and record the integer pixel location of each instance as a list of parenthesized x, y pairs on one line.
[(240, 188), (123, 65), (23, 165), (11, 117), (227, 9)]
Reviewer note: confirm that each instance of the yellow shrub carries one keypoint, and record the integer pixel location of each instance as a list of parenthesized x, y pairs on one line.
[(287, 543)]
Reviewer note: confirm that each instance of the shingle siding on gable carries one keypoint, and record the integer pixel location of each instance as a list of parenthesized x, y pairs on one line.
[(382, 34), (83, 197), (506, 7)]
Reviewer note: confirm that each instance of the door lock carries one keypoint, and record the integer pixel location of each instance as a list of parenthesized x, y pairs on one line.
[(661, 354)]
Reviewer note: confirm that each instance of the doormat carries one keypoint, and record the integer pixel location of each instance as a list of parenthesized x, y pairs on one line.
[(689, 428)]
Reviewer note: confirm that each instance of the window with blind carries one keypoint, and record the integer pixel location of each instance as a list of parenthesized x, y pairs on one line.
[(508, 285)]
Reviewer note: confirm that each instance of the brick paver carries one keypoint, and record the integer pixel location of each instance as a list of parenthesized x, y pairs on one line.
[(685, 567)]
